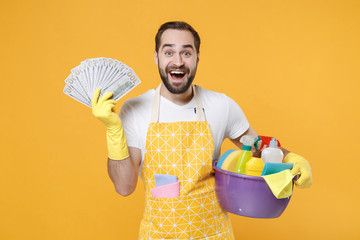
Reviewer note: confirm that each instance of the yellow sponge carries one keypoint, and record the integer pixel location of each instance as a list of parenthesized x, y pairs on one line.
[(230, 162)]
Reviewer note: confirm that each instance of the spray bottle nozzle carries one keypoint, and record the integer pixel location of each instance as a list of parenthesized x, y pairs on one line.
[(248, 141), (257, 142)]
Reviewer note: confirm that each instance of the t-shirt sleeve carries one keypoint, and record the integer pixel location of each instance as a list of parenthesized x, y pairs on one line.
[(237, 123), (129, 124)]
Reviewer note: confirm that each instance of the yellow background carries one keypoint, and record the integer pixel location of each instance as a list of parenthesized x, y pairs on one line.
[(293, 67)]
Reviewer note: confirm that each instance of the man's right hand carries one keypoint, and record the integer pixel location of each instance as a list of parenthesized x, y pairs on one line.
[(104, 110)]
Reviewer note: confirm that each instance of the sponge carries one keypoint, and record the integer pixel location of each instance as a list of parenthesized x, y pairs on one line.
[(230, 162)]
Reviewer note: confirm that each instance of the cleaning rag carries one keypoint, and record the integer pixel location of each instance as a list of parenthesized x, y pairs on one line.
[(171, 190), (280, 183), (163, 179)]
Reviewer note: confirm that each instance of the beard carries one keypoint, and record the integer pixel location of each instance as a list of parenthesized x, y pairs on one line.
[(181, 88)]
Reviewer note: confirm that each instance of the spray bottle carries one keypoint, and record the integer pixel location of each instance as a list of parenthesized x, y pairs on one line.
[(272, 154), (245, 154)]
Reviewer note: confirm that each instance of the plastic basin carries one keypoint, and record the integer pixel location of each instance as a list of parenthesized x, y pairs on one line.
[(247, 196)]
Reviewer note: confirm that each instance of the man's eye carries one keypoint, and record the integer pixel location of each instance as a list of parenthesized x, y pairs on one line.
[(187, 53), (168, 53)]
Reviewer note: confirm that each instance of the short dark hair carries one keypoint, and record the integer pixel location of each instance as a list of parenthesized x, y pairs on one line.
[(178, 25)]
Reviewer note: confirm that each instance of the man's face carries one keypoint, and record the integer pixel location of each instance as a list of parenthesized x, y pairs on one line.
[(177, 60)]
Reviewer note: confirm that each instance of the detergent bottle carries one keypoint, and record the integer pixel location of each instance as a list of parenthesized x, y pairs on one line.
[(272, 154), (245, 154), (255, 165)]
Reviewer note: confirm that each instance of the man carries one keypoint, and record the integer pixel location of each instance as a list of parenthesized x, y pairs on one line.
[(176, 130)]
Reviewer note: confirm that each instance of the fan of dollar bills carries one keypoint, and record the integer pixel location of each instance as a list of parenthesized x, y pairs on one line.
[(105, 73)]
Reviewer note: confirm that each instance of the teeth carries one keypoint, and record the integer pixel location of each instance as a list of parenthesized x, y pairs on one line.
[(176, 72)]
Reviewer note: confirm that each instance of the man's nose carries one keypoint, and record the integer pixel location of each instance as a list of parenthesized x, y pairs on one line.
[(178, 61)]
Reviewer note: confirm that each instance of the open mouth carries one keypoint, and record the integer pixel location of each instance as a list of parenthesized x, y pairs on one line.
[(177, 74)]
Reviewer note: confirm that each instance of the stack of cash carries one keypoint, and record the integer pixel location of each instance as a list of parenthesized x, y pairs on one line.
[(105, 73)]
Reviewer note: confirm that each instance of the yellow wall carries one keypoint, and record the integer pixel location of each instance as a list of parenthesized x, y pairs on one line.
[(293, 67)]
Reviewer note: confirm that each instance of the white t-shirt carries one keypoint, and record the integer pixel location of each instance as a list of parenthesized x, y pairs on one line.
[(224, 116)]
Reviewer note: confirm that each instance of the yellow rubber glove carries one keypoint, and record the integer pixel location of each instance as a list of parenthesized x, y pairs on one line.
[(104, 110), (302, 167)]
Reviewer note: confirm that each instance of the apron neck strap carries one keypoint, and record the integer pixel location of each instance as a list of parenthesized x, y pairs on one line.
[(200, 116)]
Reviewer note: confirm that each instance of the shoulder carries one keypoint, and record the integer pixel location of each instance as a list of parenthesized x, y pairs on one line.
[(137, 107), (212, 97), (139, 102)]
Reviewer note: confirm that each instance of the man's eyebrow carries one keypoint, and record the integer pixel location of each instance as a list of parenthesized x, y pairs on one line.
[(188, 46), (172, 45), (167, 45)]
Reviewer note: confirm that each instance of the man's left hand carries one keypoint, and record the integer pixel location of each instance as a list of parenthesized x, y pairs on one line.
[(302, 167)]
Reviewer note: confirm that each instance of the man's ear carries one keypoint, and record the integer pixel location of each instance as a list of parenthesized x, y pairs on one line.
[(198, 57), (156, 57)]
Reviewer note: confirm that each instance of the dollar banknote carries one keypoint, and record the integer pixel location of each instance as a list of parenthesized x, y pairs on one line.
[(105, 73)]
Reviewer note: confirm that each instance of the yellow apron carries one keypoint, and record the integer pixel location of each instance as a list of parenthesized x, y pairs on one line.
[(184, 149)]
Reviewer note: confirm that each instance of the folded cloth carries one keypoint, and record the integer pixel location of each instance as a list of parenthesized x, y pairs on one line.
[(280, 183), (271, 168), (166, 191), (163, 179)]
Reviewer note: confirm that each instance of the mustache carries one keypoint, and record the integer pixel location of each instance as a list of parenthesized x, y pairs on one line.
[(182, 68)]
